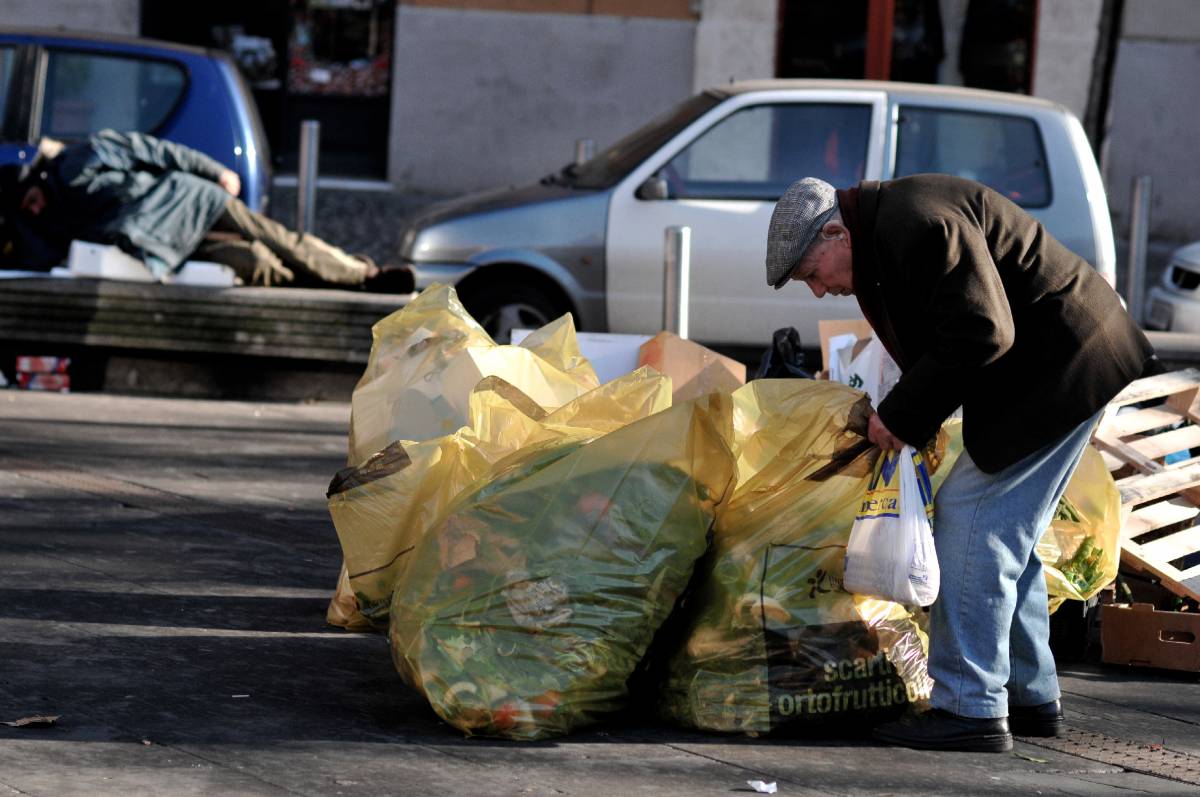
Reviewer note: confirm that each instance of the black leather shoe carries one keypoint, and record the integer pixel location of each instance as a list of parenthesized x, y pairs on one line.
[(1044, 720), (940, 730)]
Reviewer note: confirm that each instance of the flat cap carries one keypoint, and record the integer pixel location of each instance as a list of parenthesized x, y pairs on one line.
[(799, 215)]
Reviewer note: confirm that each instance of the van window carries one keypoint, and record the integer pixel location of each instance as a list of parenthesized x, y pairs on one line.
[(86, 92), (757, 152), (1001, 151)]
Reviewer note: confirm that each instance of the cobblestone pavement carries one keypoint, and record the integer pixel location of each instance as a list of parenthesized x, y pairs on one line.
[(369, 222)]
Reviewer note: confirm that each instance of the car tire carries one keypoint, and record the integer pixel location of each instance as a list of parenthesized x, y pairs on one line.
[(500, 310)]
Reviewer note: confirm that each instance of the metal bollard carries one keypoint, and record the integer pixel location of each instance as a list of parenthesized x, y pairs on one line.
[(677, 267), (1139, 233), (585, 150), (306, 179)]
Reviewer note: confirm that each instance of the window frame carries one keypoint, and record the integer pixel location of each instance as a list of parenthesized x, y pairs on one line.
[(901, 106), (769, 196), (42, 75)]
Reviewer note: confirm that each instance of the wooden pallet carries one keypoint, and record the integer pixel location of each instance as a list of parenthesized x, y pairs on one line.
[(1151, 421)]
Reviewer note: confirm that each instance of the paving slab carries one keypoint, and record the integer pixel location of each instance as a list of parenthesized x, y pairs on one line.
[(167, 565)]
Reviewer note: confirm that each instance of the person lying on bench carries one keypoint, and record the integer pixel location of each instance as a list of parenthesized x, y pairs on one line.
[(164, 203)]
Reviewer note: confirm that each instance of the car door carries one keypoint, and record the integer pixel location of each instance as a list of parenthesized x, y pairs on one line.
[(16, 61), (724, 173), (84, 91)]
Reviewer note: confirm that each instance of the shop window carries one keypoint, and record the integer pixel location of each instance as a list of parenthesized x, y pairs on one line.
[(341, 47), (757, 152), (1001, 151), (86, 92)]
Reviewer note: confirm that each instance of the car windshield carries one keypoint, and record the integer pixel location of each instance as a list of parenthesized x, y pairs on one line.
[(604, 170)]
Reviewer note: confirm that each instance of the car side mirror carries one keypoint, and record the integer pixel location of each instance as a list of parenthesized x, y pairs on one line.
[(655, 187)]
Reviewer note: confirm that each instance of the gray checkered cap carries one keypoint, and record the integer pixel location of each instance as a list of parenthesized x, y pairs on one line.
[(799, 215)]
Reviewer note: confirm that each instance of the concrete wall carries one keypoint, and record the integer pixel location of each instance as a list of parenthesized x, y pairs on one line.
[(99, 16), (1155, 109), (735, 40), (1067, 35), (483, 99)]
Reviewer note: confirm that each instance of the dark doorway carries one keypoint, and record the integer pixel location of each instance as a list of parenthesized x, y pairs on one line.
[(829, 40), (997, 45), (328, 60)]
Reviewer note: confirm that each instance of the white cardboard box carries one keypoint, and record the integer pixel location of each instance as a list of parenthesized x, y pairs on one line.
[(99, 261)]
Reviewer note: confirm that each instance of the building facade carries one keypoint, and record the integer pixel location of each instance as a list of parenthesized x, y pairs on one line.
[(450, 96)]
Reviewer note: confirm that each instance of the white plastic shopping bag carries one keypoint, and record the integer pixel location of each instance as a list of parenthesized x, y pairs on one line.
[(864, 365), (890, 554)]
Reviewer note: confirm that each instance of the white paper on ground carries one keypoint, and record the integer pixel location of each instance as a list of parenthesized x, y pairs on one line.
[(762, 787)]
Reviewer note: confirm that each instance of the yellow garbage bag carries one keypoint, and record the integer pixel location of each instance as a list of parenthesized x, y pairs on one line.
[(523, 613), (771, 639), (1081, 548), (428, 356), (383, 507)]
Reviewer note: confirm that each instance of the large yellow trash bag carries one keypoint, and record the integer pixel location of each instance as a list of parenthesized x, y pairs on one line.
[(523, 613), (428, 356), (1081, 548), (383, 507), (771, 640)]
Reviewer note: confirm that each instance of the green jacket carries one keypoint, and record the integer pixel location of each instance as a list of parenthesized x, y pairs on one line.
[(985, 310), (155, 199)]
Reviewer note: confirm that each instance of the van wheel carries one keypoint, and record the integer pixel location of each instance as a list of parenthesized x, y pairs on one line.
[(501, 310)]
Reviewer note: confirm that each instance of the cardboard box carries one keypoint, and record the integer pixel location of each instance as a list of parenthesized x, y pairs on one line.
[(694, 370), (1142, 636)]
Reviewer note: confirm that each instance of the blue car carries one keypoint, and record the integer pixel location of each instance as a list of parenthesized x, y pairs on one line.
[(67, 86)]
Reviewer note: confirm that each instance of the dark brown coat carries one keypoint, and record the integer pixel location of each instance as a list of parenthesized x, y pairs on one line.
[(989, 312)]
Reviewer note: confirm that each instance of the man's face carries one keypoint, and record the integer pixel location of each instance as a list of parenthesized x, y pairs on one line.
[(34, 201), (827, 265)]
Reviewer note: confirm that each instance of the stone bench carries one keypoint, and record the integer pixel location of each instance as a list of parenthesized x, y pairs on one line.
[(251, 334)]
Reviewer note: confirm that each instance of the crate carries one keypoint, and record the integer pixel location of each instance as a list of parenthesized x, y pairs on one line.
[(1140, 635), (1147, 434)]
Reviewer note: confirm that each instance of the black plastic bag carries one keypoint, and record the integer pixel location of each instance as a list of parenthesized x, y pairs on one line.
[(785, 358)]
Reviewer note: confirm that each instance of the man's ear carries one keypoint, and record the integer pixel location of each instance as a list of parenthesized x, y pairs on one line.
[(835, 230)]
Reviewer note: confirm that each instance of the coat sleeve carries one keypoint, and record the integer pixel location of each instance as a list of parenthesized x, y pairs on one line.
[(949, 276), (138, 151)]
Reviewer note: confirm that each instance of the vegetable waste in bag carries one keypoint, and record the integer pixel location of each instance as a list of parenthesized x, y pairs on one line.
[(1081, 548), (425, 360), (384, 507), (524, 611), (771, 640), (427, 357)]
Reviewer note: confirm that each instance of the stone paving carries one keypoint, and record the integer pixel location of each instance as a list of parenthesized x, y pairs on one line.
[(167, 564)]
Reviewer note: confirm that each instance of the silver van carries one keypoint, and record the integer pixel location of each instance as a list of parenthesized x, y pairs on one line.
[(589, 239)]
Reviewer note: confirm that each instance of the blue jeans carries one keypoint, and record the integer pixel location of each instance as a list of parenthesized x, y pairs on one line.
[(989, 630)]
